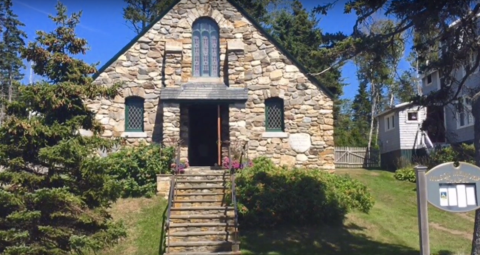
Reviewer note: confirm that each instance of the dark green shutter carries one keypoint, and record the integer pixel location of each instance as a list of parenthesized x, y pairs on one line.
[(134, 114), (274, 119)]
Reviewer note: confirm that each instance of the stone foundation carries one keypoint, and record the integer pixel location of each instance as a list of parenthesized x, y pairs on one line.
[(163, 185)]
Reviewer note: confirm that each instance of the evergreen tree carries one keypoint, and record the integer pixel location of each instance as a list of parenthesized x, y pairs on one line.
[(10, 45), (54, 192), (141, 13), (298, 32), (361, 116), (258, 9)]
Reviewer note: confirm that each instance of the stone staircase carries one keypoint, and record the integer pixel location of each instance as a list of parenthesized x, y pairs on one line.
[(201, 222)]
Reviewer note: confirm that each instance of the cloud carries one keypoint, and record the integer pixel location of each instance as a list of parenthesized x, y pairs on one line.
[(47, 13)]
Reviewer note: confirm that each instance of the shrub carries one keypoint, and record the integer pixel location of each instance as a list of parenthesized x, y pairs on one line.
[(462, 152), (269, 195), (136, 168), (406, 174)]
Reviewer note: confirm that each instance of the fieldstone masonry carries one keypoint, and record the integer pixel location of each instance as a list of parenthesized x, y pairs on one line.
[(162, 57)]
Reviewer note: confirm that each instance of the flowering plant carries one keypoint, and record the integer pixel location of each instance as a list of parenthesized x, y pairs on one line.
[(181, 167), (236, 164)]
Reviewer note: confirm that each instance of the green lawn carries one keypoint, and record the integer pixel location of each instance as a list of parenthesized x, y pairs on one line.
[(390, 228), (143, 219)]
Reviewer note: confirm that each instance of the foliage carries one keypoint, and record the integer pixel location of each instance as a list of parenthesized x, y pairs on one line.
[(406, 174), (298, 32), (54, 191), (10, 44), (141, 13), (258, 9), (454, 153), (270, 195), (136, 168)]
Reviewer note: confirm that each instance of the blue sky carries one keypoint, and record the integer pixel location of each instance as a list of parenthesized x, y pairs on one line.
[(106, 31)]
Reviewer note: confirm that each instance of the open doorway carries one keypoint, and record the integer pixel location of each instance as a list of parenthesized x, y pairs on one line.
[(203, 135)]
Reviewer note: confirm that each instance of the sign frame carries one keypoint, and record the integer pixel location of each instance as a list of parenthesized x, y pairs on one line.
[(454, 188)]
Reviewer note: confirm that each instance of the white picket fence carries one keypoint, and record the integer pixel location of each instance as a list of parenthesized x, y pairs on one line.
[(356, 157)]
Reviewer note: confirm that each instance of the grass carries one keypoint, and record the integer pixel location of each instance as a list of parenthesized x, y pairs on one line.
[(391, 227), (143, 219)]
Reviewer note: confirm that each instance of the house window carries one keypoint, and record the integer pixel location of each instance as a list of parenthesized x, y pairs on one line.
[(464, 112), (412, 116), (389, 122), (274, 115), (205, 47), (429, 79), (134, 114)]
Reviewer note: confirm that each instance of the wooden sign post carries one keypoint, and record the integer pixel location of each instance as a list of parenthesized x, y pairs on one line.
[(449, 187)]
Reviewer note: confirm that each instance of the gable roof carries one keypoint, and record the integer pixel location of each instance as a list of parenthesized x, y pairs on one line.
[(400, 106), (248, 17)]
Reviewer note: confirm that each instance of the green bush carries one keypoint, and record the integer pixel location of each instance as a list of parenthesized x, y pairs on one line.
[(406, 174), (269, 195), (136, 168), (463, 152)]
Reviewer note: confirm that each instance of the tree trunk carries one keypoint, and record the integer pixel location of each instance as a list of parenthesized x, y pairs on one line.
[(374, 105), (476, 142), (10, 90)]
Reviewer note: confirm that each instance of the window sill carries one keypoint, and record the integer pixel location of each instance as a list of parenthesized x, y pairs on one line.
[(275, 135), (465, 126), (135, 134), (386, 130), (412, 121)]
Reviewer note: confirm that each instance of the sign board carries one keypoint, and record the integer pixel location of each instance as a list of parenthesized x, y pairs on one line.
[(454, 189)]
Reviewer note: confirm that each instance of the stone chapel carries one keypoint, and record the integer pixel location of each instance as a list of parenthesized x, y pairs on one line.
[(205, 72)]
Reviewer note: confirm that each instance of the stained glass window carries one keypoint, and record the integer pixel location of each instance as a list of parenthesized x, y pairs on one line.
[(196, 54), (274, 114), (134, 114), (205, 48)]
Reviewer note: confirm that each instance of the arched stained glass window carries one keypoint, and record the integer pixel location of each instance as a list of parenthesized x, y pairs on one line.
[(205, 48)]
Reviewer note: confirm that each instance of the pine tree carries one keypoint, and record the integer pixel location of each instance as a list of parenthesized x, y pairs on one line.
[(141, 13), (10, 45), (54, 192), (298, 32), (258, 9)]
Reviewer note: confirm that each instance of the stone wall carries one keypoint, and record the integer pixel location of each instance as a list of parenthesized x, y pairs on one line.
[(162, 57)]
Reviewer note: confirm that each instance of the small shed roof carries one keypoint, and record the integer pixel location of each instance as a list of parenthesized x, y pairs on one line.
[(400, 106)]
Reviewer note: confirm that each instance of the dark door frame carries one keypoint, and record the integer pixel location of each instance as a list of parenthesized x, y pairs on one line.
[(212, 108)]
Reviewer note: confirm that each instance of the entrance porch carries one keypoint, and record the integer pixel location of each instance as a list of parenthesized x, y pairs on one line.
[(203, 129)]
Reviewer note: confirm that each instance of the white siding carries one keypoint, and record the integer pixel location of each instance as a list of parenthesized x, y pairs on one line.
[(410, 130), (388, 140)]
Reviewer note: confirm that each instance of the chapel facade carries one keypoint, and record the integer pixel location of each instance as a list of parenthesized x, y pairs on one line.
[(205, 73)]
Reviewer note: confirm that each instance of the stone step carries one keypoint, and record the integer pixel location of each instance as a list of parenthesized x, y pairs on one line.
[(202, 246), (200, 196), (181, 189), (199, 227), (199, 203), (200, 183), (199, 218), (206, 253), (204, 210), (192, 236), (194, 181)]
